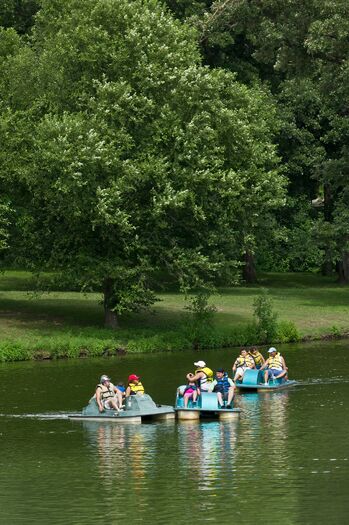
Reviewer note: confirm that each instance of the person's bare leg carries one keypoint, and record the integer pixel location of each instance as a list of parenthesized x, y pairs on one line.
[(231, 393), (119, 398), (219, 398), (186, 401)]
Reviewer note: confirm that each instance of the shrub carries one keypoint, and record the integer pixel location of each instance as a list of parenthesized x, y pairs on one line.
[(287, 332), (266, 318)]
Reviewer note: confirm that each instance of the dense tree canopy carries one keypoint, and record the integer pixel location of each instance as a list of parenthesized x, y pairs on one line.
[(141, 141), (300, 50), (125, 157)]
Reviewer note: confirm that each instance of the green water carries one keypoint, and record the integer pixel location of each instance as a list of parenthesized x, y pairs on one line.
[(286, 461)]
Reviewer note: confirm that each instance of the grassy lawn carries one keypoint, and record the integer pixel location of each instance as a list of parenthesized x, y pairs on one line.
[(315, 304)]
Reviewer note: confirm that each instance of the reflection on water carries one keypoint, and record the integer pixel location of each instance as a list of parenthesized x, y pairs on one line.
[(286, 461)]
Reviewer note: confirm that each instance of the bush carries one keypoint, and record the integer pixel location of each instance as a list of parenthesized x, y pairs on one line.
[(266, 318), (287, 332)]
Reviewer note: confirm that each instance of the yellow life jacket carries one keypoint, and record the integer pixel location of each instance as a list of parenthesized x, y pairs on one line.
[(275, 362), (136, 387), (106, 391), (257, 358), (208, 373), (247, 361)]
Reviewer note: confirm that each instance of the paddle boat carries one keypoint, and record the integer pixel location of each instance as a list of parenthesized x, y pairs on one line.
[(138, 408), (254, 380), (206, 406)]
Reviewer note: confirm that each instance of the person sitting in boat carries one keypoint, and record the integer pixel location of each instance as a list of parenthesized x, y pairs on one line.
[(191, 391), (203, 375), (242, 363), (134, 386), (257, 357), (275, 366), (225, 388), (107, 395)]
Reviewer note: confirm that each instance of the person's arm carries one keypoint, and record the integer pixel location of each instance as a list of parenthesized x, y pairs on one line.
[(263, 360), (195, 377), (128, 392), (264, 365), (211, 386), (99, 400), (234, 366)]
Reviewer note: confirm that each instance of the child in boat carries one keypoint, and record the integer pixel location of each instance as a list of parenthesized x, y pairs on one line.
[(242, 363), (257, 357), (134, 386), (191, 391)]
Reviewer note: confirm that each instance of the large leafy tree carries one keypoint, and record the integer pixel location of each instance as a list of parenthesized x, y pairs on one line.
[(300, 49), (133, 158)]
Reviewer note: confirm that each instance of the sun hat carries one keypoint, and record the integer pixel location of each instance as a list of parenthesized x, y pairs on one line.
[(200, 364), (133, 377), (272, 349)]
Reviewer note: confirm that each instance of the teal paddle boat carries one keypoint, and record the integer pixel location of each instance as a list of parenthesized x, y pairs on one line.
[(138, 408), (206, 406), (254, 380)]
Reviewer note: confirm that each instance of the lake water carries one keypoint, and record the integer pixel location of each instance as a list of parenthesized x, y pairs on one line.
[(286, 461)]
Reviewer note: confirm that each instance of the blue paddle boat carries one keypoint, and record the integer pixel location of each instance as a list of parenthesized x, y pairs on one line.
[(205, 406), (137, 409), (254, 380)]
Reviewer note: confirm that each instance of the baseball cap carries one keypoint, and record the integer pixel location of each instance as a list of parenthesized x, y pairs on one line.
[(200, 364), (133, 377)]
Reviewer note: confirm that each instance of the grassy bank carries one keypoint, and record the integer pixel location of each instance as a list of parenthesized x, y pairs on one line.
[(69, 324)]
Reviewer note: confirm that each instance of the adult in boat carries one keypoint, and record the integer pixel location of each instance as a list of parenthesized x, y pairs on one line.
[(134, 386), (107, 395), (274, 366), (225, 388), (242, 363), (203, 375), (257, 357)]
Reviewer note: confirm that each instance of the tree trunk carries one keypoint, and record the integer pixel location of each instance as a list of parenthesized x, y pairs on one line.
[(327, 267), (110, 317), (343, 269), (249, 270)]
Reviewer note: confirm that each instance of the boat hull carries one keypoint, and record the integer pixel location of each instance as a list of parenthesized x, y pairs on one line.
[(138, 408), (206, 407), (253, 380)]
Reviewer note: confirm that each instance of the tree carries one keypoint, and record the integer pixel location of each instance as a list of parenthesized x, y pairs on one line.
[(18, 14), (301, 50), (134, 158)]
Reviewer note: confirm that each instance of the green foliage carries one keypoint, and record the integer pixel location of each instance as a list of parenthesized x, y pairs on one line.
[(129, 158), (287, 332), (18, 14), (266, 318), (292, 243), (335, 331)]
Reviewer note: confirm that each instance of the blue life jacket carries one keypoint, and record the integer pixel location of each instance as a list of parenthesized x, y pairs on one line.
[(193, 387), (222, 384)]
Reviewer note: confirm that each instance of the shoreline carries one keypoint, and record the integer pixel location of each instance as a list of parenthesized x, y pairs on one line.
[(58, 353)]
